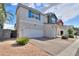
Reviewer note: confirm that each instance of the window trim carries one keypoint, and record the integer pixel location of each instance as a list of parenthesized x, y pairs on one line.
[(34, 15)]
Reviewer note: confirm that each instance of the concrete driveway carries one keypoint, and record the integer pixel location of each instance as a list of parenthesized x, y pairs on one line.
[(52, 46)]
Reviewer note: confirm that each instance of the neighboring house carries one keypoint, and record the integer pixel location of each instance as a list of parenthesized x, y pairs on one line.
[(32, 23), (63, 29)]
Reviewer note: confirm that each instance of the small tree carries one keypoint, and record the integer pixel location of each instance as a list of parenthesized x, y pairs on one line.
[(70, 32)]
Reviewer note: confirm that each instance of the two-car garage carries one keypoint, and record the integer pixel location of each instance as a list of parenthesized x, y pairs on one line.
[(31, 30)]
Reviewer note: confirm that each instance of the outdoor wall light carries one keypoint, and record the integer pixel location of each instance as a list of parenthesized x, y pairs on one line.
[(34, 24)]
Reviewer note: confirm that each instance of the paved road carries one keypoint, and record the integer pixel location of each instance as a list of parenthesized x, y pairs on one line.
[(52, 46)]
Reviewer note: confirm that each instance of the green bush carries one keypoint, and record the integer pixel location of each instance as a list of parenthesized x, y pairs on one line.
[(76, 33), (71, 36), (70, 31), (64, 37), (22, 41)]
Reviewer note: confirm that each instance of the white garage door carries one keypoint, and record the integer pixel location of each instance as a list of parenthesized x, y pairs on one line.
[(32, 33)]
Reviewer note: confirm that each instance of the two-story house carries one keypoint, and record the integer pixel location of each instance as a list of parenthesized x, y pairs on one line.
[(32, 23)]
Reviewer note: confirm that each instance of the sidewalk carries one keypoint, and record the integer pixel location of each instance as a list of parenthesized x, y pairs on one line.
[(71, 50)]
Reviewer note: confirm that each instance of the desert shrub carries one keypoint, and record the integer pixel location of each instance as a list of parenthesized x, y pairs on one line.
[(64, 37), (22, 41)]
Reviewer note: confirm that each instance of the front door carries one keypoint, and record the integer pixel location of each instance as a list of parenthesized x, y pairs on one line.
[(61, 32)]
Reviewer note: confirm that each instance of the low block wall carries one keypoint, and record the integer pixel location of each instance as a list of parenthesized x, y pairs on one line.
[(5, 34), (1, 34)]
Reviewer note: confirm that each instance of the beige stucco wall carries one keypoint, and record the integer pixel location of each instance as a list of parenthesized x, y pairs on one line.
[(28, 27), (23, 14), (50, 30), (45, 19)]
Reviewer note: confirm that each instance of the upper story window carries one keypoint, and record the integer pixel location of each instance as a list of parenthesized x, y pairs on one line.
[(52, 19), (34, 14)]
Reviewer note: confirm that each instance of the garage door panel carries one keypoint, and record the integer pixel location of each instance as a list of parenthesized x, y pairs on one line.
[(32, 33)]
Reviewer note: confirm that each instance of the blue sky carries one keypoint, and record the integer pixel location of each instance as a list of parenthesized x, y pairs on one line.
[(69, 21), (11, 9), (74, 21)]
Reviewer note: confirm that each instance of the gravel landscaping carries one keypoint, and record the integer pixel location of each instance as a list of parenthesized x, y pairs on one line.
[(10, 48)]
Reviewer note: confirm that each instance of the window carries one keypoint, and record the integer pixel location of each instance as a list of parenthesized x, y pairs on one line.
[(52, 19), (34, 14), (30, 14)]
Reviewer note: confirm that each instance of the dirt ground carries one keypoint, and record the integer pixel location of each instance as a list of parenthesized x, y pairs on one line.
[(10, 48)]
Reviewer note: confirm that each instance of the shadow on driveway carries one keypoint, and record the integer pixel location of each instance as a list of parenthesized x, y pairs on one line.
[(43, 38), (1, 40), (16, 45)]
